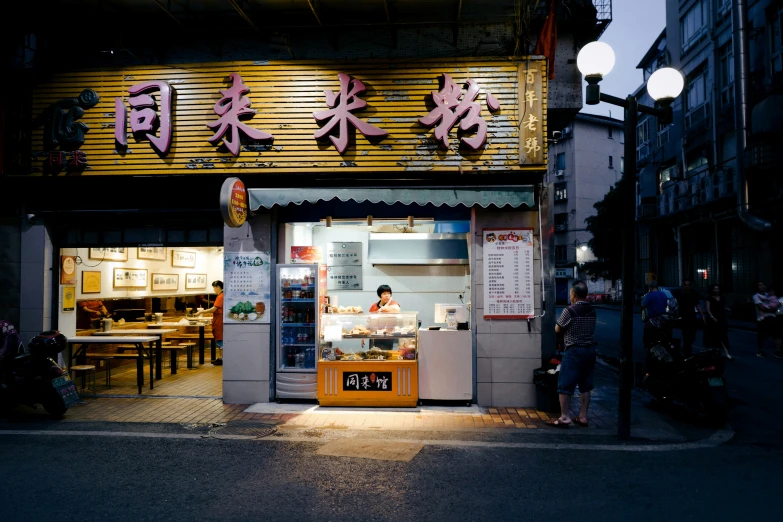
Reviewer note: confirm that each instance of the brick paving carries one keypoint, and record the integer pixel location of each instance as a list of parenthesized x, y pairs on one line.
[(193, 397)]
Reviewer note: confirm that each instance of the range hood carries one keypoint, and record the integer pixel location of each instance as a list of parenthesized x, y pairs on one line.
[(419, 249)]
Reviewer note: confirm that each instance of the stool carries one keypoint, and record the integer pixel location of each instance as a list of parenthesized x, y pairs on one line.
[(89, 371), (107, 361), (189, 347)]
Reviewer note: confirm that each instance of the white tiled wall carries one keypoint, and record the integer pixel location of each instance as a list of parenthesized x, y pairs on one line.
[(507, 351), (416, 288), (36, 282), (247, 347)]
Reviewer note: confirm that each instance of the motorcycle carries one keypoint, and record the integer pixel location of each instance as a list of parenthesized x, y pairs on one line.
[(34, 377), (696, 381)]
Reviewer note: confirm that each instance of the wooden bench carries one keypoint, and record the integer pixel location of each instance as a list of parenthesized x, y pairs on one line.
[(194, 337)]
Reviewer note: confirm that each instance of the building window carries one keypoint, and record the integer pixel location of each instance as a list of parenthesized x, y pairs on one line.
[(611, 162), (643, 139), (561, 222), (561, 192), (669, 174), (696, 97), (663, 134), (776, 41), (726, 72), (693, 26), (560, 161), (610, 133), (561, 253)]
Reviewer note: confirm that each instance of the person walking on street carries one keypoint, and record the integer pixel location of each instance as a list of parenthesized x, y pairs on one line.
[(217, 318), (716, 334), (766, 311), (577, 366), (689, 301), (655, 312)]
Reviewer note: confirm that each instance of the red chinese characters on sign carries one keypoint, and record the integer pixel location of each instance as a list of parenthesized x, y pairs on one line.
[(341, 106), (231, 107), (449, 108), (143, 117)]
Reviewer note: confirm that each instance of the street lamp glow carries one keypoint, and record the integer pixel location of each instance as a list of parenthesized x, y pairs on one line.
[(665, 84), (595, 59), (584, 248)]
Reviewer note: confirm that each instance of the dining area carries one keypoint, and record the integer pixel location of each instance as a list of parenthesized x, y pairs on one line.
[(161, 357)]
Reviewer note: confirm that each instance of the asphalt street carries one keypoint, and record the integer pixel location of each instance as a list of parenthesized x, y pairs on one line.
[(111, 471), (124, 478)]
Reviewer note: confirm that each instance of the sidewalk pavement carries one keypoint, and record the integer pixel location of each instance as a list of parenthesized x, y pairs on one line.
[(428, 421)]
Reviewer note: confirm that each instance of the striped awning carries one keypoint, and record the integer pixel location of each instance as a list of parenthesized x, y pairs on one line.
[(484, 197)]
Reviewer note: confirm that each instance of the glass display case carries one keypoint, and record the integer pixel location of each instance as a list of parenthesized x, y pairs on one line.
[(368, 337)]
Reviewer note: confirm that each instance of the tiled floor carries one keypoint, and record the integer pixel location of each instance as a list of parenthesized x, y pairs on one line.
[(202, 381)]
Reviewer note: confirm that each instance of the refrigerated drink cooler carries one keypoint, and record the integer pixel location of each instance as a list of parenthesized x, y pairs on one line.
[(297, 331)]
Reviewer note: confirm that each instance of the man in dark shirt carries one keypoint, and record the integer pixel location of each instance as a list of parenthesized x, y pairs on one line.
[(577, 367), (689, 301)]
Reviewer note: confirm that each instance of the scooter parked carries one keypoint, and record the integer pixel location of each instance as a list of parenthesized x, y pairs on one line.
[(33, 377), (696, 382)]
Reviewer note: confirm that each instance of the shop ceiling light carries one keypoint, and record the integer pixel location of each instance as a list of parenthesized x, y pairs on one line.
[(410, 221), (328, 221), (369, 221)]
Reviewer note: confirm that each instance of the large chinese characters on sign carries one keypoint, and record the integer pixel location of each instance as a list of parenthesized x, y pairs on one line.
[(340, 114), (476, 115), (451, 105), (143, 118), (231, 107)]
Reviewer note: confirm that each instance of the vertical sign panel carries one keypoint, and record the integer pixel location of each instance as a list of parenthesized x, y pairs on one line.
[(508, 273), (532, 125), (246, 295)]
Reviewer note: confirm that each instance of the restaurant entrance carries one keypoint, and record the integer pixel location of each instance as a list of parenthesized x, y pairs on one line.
[(136, 314)]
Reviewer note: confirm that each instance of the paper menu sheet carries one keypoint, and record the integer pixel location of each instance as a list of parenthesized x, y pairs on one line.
[(508, 273)]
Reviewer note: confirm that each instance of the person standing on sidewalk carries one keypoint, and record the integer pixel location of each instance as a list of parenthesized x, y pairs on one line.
[(577, 366), (217, 318), (689, 301), (716, 334), (766, 311)]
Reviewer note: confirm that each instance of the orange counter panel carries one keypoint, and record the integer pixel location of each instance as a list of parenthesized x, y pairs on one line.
[(343, 383)]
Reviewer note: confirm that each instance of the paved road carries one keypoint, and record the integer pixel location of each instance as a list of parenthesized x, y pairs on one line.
[(754, 384), (122, 478)]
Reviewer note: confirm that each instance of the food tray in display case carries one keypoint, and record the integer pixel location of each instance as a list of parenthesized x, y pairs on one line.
[(369, 337)]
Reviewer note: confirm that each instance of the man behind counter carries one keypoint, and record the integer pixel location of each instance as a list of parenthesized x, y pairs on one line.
[(91, 310)]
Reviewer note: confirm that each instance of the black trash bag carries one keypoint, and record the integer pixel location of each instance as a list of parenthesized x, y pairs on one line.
[(547, 398)]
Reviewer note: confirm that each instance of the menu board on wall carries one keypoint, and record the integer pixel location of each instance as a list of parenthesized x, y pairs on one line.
[(247, 295), (344, 278), (344, 254), (508, 273)]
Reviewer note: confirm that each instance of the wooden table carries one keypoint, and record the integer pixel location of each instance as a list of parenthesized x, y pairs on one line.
[(143, 331), (200, 336), (138, 340)]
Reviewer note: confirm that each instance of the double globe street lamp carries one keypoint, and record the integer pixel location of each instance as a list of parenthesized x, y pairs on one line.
[(595, 60)]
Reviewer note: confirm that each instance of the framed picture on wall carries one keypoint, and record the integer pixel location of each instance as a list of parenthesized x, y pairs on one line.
[(153, 253), (183, 259), (165, 282), (109, 254), (130, 278), (195, 281), (91, 282)]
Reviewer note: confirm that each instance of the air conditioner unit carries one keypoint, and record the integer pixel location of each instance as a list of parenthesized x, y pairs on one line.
[(559, 172)]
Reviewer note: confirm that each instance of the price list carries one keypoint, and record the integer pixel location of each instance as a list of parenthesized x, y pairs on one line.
[(508, 273)]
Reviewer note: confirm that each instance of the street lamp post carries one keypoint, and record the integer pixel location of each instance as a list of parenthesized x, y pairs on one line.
[(595, 60)]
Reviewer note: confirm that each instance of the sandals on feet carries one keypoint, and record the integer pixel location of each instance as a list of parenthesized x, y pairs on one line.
[(557, 423), (578, 422)]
